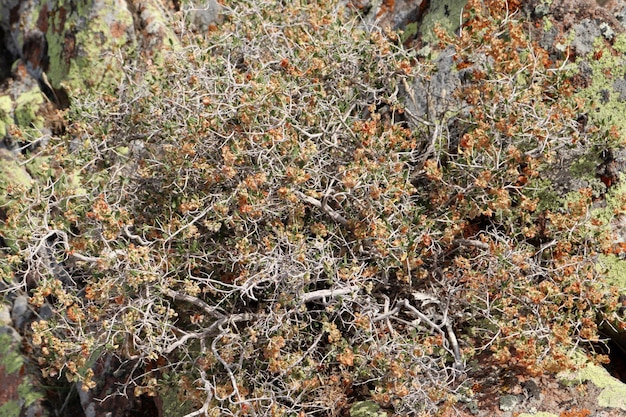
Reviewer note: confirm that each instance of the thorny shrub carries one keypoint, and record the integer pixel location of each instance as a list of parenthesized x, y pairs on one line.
[(253, 223), (525, 264)]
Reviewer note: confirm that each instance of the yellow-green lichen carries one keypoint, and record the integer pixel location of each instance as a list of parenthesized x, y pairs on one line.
[(14, 181), (613, 392), (446, 14), (26, 108), (620, 43), (6, 107), (607, 108), (614, 269), (13, 176), (99, 46), (160, 37)]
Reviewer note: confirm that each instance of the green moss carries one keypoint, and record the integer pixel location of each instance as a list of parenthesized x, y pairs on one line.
[(172, 405), (585, 167), (26, 392), (12, 361), (548, 198), (9, 358)]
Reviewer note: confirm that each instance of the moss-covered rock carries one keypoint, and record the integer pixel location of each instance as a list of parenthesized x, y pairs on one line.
[(88, 42), (24, 106)]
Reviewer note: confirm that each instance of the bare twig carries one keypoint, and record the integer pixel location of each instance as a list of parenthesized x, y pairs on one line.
[(470, 242), (194, 220), (212, 311), (323, 294), (138, 238), (329, 211), (448, 332)]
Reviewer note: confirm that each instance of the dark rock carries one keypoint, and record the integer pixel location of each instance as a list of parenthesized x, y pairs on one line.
[(20, 313), (5, 324), (431, 99)]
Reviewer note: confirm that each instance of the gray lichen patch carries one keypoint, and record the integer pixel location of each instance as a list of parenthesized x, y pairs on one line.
[(586, 32)]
